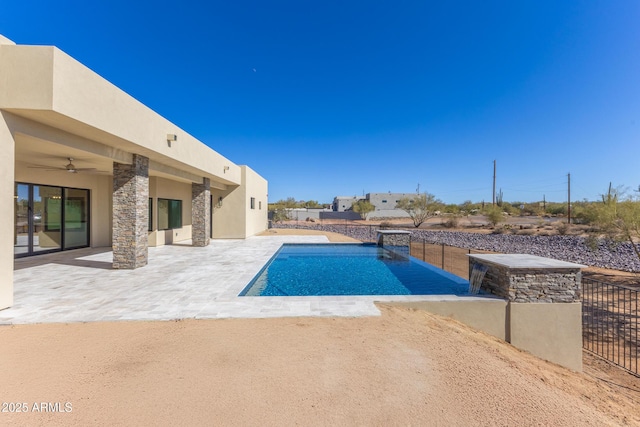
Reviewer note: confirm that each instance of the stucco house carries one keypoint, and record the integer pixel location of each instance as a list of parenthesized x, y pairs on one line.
[(86, 165)]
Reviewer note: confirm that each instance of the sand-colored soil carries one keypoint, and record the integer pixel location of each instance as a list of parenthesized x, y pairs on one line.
[(333, 237), (402, 368)]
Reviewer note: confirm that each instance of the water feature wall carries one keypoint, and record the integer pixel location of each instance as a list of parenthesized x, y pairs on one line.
[(544, 312), (398, 241)]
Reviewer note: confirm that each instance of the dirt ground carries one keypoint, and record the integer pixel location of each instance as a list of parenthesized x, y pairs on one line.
[(333, 237), (403, 368)]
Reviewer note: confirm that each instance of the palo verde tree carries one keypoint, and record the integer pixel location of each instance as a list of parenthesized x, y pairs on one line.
[(420, 208), (363, 207), (618, 217)]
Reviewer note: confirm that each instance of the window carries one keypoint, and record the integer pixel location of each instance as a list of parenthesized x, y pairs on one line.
[(169, 214), (253, 203), (384, 201), (260, 205)]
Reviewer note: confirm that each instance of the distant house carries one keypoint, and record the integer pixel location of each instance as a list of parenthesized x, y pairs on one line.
[(344, 203), (385, 204)]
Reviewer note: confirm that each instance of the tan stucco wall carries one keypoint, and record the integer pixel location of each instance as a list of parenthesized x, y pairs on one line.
[(235, 219), (228, 220), (48, 86), (256, 187), (7, 220), (29, 77), (550, 331), (4, 40), (488, 316)]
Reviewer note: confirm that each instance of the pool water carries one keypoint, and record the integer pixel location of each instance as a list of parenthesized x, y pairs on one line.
[(350, 269)]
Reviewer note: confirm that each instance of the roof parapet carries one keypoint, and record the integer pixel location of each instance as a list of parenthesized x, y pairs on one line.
[(4, 40)]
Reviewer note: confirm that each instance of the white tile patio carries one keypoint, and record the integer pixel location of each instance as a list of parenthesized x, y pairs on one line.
[(180, 281)]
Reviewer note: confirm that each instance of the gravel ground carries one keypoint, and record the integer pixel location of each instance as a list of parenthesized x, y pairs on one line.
[(616, 256)]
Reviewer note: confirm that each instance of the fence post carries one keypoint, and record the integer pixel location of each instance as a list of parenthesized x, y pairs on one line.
[(424, 250), (443, 256)]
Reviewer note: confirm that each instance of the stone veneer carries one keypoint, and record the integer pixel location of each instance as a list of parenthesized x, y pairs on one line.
[(201, 212), (396, 240), (131, 213), (528, 278)]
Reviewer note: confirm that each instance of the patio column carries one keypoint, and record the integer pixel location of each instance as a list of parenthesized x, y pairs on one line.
[(131, 213), (7, 215), (200, 212)]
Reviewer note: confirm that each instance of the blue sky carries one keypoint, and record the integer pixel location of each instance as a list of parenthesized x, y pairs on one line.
[(327, 98)]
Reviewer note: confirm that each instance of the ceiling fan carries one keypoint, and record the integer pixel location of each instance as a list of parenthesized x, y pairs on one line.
[(70, 167)]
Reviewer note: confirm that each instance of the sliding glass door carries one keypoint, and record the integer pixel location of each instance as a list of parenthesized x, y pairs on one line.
[(22, 220), (49, 219), (76, 218)]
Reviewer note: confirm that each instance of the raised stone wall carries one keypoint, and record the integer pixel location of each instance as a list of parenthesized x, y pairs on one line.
[(536, 280), (131, 213), (200, 213)]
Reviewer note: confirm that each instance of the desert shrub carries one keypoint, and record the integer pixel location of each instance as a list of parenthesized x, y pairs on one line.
[(280, 214), (385, 224), (526, 232), (591, 241), (557, 208), (451, 208), (452, 222), (563, 228), (502, 229), (494, 215)]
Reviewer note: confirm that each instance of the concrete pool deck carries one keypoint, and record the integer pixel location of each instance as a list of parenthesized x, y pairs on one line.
[(180, 281)]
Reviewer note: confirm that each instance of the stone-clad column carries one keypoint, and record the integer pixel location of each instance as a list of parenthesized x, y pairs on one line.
[(200, 212), (131, 213)]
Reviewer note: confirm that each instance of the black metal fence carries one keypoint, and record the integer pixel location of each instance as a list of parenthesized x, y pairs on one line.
[(610, 323), (449, 258)]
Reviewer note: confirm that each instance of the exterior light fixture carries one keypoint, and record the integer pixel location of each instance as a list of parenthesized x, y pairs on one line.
[(226, 168), (172, 137), (220, 201)]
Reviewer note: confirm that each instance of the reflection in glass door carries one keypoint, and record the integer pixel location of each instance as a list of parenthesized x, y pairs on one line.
[(49, 219), (76, 216)]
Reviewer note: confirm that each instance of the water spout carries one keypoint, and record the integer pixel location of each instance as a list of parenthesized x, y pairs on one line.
[(475, 280)]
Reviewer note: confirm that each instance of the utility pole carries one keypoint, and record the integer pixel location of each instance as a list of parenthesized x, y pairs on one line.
[(544, 203), (494, 183), (568, 198)]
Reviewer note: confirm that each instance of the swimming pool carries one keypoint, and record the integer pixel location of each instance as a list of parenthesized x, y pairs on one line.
[(349, 269)]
